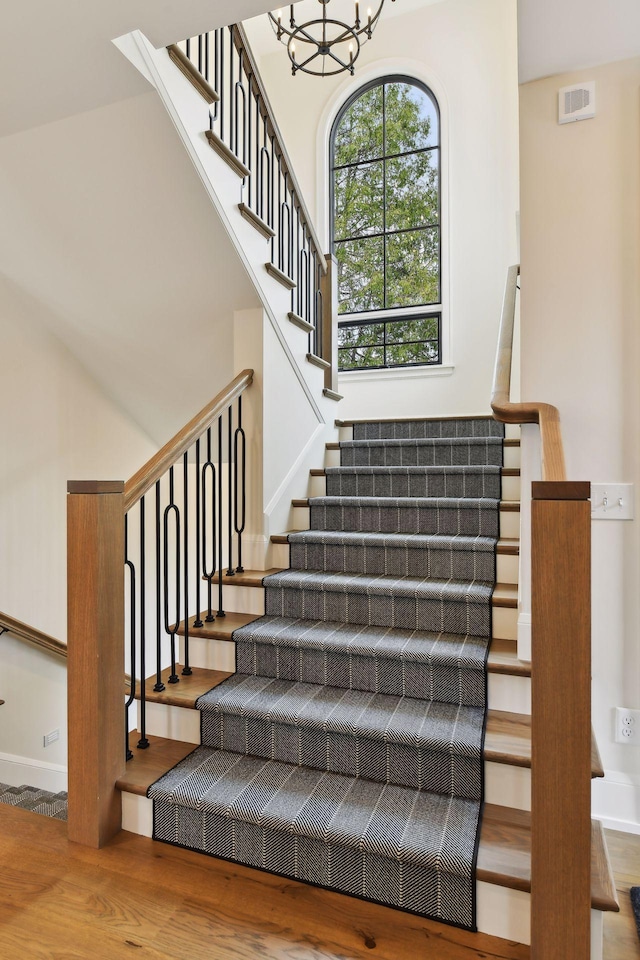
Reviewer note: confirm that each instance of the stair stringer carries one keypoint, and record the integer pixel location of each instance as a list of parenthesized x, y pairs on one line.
[(190, 117)]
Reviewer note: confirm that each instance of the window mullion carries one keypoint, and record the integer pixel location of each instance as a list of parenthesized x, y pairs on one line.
[(384, 205)]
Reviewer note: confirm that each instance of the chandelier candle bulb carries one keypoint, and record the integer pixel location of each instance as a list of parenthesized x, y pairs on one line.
[(326, 47)]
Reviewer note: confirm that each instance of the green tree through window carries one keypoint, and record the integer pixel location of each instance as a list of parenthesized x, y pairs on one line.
[(385, 161)]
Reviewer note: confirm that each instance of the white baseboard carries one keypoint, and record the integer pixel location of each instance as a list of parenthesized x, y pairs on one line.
[(16, 770), (615, 801)]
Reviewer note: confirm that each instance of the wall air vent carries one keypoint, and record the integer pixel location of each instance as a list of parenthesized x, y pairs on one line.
[(577, 102)]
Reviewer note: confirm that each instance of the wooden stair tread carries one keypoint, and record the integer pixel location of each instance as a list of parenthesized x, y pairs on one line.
[(150, 764), (186, 691), (222, 627), (505, 595), (248, 578), (503, 658), (504, 855), (508, 738)]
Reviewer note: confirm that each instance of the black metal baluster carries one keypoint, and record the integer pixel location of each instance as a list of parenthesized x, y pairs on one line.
[(198, 620), (230, 570), (239, 450), (233, 127), (187, 44), (241, 99), (171, 629), (209, 574), (221, 90), (200, 53), (132, 636), (220, 607), (318, 305), (186, 670), (249, 129), (206, 56), (159, 685), (280, 220), (272, 192), (143, 743)]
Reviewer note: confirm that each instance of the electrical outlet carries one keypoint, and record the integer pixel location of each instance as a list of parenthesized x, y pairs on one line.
[(50, 738), (627, 725)]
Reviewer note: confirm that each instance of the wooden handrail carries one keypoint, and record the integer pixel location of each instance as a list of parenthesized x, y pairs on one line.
[(546, 415), (242, 45), (192, 74), (156, 467), (25, 632)]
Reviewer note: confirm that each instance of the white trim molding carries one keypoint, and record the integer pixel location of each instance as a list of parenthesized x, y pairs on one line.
[(615, 800), (16, 770)]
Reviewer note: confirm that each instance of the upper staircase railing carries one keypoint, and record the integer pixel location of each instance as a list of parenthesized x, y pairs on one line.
[(25, 632), (561, 676), (243, 129), (146, 564)]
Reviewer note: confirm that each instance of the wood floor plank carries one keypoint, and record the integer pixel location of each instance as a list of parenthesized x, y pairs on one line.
[(621, 940), (139, 898)]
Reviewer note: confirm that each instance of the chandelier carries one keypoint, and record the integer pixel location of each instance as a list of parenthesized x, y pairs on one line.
[(325, 46)]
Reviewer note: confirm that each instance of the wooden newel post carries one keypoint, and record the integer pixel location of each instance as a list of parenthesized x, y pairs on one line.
[(95, 676), (329, 290), (561, 721)]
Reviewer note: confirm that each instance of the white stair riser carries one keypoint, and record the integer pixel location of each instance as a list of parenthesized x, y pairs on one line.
[(507, 785), (509, 521), (511, 458), (505, 623), (172, 723), (507, 567), (245, 599), (510, 524), (512, 694), (511, 488), (210, 654)]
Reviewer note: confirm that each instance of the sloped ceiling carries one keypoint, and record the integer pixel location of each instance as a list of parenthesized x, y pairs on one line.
[(58, 59), (559, 36), (108, 232)]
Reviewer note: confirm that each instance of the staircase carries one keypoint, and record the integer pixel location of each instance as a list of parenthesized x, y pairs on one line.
[(349, 750)]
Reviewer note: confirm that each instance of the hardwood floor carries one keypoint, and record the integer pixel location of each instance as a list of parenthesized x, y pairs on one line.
[(621, 940), (137, 898), (61, 901)]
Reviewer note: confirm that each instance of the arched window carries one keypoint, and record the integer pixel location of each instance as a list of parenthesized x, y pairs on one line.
[(385, 225)]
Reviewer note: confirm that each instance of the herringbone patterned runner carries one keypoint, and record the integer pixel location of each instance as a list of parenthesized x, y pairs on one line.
[(347, 749)]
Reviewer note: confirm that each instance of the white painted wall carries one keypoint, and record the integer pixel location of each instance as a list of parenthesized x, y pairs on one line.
[(106, 224), (56, 424), (580, 241), (466, 51)]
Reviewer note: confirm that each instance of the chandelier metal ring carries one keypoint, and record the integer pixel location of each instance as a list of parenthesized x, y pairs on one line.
[(335, 42)]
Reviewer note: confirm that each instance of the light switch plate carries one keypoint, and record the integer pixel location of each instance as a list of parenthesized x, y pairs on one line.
[(612, 501)]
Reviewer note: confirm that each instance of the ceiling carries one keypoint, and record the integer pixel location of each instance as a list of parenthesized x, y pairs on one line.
[(58, 59)]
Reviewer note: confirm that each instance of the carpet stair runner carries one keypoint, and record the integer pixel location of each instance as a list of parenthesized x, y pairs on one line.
[(38, 801), (347, 749)]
